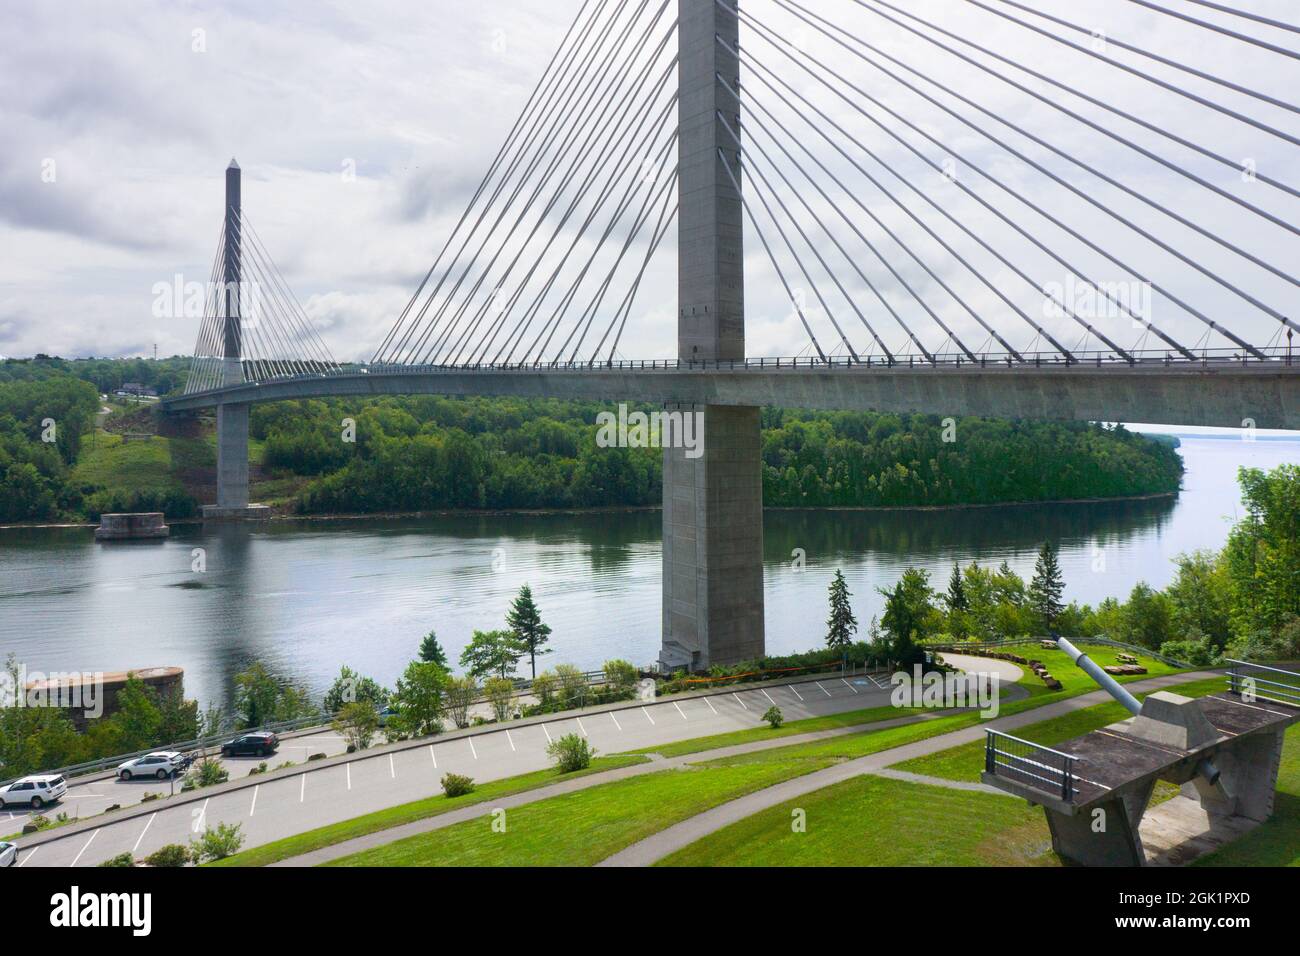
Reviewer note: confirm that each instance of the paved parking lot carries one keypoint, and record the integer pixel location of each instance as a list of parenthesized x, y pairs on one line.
[(292, 803)]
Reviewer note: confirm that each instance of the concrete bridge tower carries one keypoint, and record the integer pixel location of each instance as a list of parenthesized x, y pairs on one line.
[(713, 504), (232, 419)]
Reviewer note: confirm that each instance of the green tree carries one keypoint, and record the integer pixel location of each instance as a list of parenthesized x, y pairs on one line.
[(492, 652), (419, 701), (841, 625), (1047, 586), (1263, 551), (1147, 617), (357, 722), (431, 651), (460, 694), (956, 597), (350, 687), (500, 693), (909, 613), (1201, 598), (525, 621), (262, 698)]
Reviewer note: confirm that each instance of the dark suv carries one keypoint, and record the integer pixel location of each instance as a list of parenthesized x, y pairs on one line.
[(260, 744)]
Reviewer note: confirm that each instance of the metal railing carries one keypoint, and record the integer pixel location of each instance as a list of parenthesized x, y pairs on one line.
[(1247, 680), (199, 743), (1029, 764)]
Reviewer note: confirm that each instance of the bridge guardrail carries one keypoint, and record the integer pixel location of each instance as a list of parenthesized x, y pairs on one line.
[(1245, 676), (1029, 764)]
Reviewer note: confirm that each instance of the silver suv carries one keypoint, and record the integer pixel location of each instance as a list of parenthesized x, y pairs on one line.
[(161, 764)]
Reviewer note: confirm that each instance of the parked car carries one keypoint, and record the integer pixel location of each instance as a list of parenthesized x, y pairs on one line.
[(34, 791), (257, 744), (161, 764), (8, 854)]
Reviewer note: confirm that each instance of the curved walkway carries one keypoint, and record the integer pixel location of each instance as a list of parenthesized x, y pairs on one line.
[(665, 842), (1008, 673)]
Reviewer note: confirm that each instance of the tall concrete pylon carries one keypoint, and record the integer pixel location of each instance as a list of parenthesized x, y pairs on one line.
[(232, 419), (713, 504)]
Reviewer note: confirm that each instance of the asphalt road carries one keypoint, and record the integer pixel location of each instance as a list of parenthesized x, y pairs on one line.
[(293, 802)]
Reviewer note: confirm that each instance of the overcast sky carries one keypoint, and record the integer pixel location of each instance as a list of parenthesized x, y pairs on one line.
[(119, 120)]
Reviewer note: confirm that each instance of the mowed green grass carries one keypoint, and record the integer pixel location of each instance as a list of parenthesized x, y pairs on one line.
[(115, 464), (873, 821), (416, 810), (1276, 842), (1072, 679), (967, 761), (583, 828)]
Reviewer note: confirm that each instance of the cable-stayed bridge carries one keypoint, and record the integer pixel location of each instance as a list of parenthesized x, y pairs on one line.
[(963, 207)]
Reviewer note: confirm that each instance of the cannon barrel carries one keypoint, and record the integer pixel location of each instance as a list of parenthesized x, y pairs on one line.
[(1108, 683)]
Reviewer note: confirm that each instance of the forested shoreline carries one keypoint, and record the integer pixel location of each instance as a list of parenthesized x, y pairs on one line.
[(412, 454)]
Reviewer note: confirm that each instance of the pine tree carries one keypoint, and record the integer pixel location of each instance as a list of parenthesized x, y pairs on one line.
[(526, 621), (957, 600), (431, 651), (841, 625), (1047, 586)]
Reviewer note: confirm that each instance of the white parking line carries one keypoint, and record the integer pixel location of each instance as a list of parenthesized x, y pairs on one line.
[(796, 693), (710, 703), (392, 769), (27, 856), (93, 834), (548, 734), (582, 728), (302, 789), (432, 757), (348, 768), (511, 741), (767, 695), (142, 833), (848, 685), (471, 747), (679, 709), (252, 807), (203, 814), (647, 716), (739, 701), (822, 689)]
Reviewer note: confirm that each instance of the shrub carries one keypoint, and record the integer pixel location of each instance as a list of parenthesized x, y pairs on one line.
[(457, 785), (571, 753), (150, 797), (357, 722), (573, 683), (171, 855), (122, 859), (500, 693), (460, 694), (217, 843), (207, 773), (620, 674), (544, 685), (774, 717), (316, 757), (1199, 653)]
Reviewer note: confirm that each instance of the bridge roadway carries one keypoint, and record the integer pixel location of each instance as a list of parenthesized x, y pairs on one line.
[(314, 795), (1223, 393)]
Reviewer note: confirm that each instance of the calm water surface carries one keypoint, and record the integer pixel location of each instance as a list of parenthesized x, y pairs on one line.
[(306, 597)]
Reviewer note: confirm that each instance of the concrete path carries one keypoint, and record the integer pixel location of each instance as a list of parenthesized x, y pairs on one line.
[(665, 842), (1008, 673)]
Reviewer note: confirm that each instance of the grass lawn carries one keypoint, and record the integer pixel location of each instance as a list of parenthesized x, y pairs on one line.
[(128, 466), (872, 821), (1072, 679), (409, 812), (967, 761), (1276, 842), (583, 828)]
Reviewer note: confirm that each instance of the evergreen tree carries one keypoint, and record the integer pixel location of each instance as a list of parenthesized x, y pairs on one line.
[(526, 622), (1046, 587), (431, 651), (957, 600), (841, 625)]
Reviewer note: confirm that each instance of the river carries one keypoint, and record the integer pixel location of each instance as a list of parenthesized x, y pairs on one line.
[(308, 596)]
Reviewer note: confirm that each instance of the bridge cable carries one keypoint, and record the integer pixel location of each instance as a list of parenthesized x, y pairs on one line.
[(1163, 60), (661, 228), (1246, 15), (1062, 182), (501, 153), (933, 275), (1134, 71), (1002, 216), (1101, 104), (775, 265), (1136, 194), (559, 96), (1245, 38), (314, 342), (584, 119)]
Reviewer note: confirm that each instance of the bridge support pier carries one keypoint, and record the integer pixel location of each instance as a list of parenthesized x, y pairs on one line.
[(232, 468), (713, 544)]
